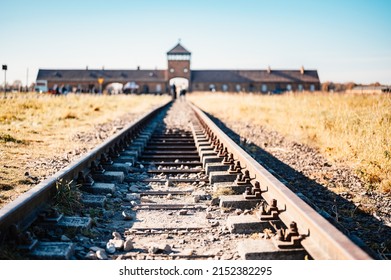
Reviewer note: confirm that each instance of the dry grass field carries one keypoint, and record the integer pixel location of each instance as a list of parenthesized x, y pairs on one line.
[(40, 133), (353, 130)]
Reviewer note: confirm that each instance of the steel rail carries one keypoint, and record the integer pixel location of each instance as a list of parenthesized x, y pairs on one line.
[(22, 212), (323, 240)]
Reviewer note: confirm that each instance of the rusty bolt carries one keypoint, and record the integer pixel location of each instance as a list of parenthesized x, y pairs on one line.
[(293, 231), (218, 148), (226, 159), (281, 234), (52, 213), (84, 180), (80, 178), (104, 159), (88, 180), (231, 167), (293, 228), (96, 168), (118, 147), (223, 152), (257, 188), (113, 153), (93, 166), (263, 208), (237, 166), (25, 238)]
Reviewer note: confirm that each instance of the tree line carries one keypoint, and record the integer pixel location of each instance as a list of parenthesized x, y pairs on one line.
[(341, 87)]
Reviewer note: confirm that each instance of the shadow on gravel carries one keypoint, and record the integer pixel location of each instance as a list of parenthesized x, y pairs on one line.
[(370, 234)]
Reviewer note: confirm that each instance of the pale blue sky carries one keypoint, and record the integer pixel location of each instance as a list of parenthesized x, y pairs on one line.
[(344, 40)]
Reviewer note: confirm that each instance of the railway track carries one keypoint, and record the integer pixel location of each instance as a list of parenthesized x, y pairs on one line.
[(171, 185)]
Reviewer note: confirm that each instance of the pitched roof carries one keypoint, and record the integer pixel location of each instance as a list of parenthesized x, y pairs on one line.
[(178, 49), (197, 76), (246, 76), (92, 75)]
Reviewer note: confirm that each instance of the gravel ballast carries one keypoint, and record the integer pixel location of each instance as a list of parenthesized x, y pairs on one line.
[(333, 189)]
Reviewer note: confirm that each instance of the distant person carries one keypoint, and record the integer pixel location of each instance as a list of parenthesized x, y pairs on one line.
[(173, 91), (182, 94)]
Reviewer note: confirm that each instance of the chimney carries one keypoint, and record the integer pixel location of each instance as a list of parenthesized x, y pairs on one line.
[(269, 70), (302, 70), (138, 67), (87, 67)]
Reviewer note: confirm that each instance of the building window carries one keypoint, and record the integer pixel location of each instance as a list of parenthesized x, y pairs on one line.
[(312, 87), (212, 87), (264, 88), (185, 70), (238, 87), (300, 87), (159, 88), (172, 70), (224, 88), (178, 57), (289, 87)]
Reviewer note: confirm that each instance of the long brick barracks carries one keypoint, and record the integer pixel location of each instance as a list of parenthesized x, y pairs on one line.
[(178, 72)]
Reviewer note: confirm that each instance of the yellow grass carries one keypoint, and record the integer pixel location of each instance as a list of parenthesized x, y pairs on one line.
[(35, 128), (350, 129)]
